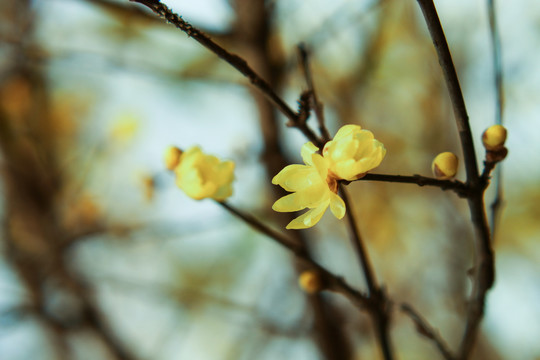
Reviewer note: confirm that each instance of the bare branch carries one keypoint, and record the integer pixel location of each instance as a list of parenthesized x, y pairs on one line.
[(332, 282), (457, 186), (380, 312), (454, 88), (423, 327), (234, 60), (498, 201), (317, 105), (484, 270)]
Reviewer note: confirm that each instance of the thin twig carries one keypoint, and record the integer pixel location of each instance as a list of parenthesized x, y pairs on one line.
[(499, 109), (455, 185), (332, 282), (317, 105), (234, 60), (358, 244), (424, 328), (497, 61), (263, 228), (381, 306)]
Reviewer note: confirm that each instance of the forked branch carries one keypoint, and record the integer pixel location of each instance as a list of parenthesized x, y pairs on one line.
[(484, 268)]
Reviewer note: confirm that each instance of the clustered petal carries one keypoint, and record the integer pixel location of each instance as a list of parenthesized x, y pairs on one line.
[(353, 152), (309, 189), (349, 156), (203, 176)]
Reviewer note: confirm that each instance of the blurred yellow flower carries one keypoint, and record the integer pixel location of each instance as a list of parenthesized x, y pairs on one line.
[(353, 152), (312, 188), (124, 128), (204, 176)]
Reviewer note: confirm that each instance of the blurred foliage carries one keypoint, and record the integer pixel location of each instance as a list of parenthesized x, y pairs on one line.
[(93, 91)]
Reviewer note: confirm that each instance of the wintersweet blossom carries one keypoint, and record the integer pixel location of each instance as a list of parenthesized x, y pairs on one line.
[(204, 176), (311, 188), (353, 152), (349, 156)]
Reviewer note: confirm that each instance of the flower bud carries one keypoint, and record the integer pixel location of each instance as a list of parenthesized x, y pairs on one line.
[(172, 157), (494, 137), (310, 281), (445, 166)]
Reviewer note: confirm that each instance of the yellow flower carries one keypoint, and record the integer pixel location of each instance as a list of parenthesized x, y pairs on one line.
[(312, 188), (125, 128), (204, 176), (353, 152)]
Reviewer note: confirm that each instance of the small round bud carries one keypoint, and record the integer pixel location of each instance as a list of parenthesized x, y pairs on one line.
[(172, 157), (494, 137), (310, 281), (445, 166)]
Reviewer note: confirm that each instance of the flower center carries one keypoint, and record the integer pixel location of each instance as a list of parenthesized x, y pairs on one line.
[(332, 181)]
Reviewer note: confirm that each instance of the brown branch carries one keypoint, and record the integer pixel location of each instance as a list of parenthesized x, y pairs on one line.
[(498, 201), (234, 60), (497, 61), (358, 244), (423, 327), (484, 270), (317, 105), (454, 88), (380, 309), (457, 186), (332, 282)]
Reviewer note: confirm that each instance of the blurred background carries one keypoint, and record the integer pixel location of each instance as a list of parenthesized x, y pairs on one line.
[(102, 257)]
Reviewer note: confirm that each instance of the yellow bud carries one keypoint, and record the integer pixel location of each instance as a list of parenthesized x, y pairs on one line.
[(148, 186), (494, 137), (172, 157), (445, 166), (310, 281)]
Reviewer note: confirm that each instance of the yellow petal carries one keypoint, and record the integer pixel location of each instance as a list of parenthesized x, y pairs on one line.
[(192, 184), (295, 177), (308, 149), (365, 144), (287, 172), (288, 203), (309, 197), (172, 157), (321, 164), (346, 130), (337, 206), (204, 176), (310, 218), (223, 192), (345, 169)]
